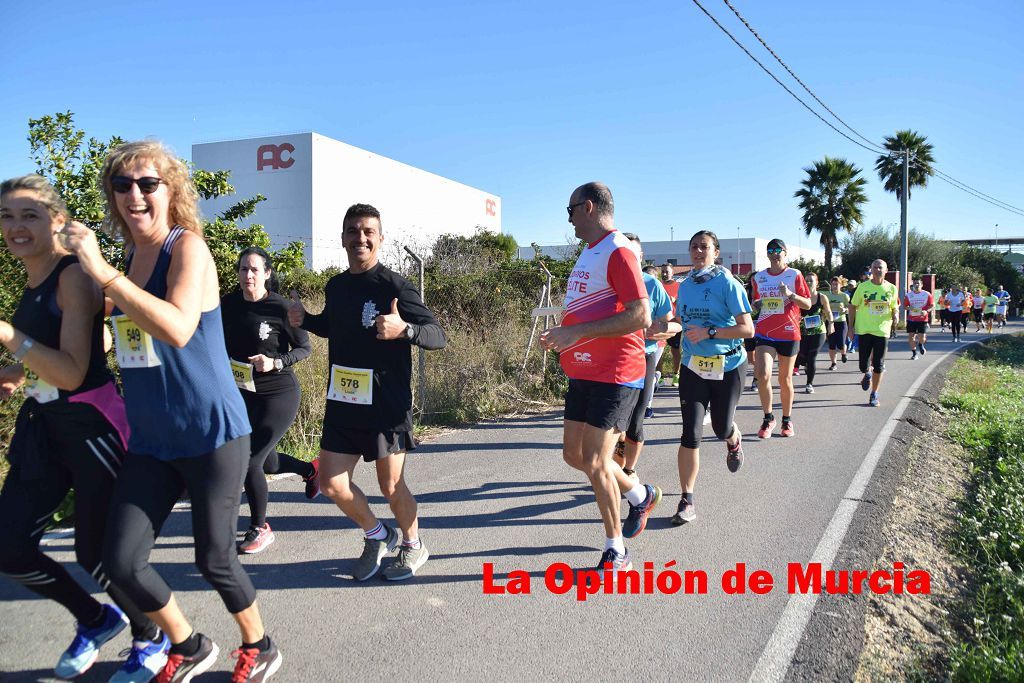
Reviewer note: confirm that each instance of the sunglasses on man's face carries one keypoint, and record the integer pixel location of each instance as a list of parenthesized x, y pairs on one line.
[(123, 184), (775, 250), (572, 207)]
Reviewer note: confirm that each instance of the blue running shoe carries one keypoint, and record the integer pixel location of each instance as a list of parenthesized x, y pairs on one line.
[(636, 520), (614, 561), (145, 660), (85, 648)]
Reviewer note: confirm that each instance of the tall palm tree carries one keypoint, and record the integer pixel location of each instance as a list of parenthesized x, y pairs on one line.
[(890, 167), (831, 199)]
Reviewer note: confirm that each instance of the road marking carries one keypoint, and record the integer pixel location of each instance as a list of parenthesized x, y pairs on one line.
[(778, 653)]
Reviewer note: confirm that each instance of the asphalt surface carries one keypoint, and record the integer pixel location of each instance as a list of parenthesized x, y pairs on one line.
[(500, 493)]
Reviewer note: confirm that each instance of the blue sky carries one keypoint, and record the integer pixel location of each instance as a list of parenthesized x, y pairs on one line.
[(529, 99)]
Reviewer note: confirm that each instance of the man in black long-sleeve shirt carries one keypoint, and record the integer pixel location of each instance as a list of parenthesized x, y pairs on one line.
[(371, 319)]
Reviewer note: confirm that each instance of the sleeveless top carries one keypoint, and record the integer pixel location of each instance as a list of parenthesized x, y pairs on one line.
[(181, 403), (812, 312), (39, 317)]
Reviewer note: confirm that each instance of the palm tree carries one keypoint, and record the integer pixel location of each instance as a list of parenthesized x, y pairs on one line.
[(831, 199), (890, 166)]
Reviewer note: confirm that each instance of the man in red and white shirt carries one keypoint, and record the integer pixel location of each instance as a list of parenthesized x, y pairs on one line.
[(918, 303), (601, 345), (778, 293)]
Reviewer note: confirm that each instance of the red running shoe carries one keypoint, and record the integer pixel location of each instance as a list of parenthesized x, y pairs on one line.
[(767, 427), (787, 428)]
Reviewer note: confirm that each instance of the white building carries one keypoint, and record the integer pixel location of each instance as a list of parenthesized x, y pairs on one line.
[(309, 181), (741, 256)]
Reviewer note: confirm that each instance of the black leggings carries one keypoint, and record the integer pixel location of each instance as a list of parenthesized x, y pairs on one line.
[(635, 430), (810, 345), (873, 348), (956, 321), (270, 416), (84, 455), (697, 394), (146, 492)]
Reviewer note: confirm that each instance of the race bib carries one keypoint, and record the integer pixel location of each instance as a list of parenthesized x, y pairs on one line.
[(39, 389), (916, 312), (878, 307), (811, 321), (243, 375), (351, 385), (708, 367), (134, 346), (838, 315), (773, 305)]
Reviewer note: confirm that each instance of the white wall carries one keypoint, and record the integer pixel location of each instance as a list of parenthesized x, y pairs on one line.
[(310, 180)]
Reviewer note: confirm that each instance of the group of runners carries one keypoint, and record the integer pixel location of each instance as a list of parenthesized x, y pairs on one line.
[(957, 306), (209, 390)]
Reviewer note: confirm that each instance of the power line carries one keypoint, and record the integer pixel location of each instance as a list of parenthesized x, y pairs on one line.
[(875, 148), (797, 78), (781, 84)]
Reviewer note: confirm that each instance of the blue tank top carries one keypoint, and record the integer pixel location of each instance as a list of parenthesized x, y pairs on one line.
[(181, 403)]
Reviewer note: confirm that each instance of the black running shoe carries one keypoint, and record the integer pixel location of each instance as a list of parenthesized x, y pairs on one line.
[(254, 666), (734, 456), (180, 668)]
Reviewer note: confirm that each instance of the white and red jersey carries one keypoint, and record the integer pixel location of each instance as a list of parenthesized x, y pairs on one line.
[(779, 317), (605, 278), (955, 302), (918, 304)]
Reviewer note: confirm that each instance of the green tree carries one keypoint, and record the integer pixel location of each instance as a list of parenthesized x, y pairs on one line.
[(72, 163), (890, 166), (831, 198)]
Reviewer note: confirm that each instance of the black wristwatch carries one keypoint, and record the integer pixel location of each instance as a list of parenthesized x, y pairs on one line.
[(712, 332)]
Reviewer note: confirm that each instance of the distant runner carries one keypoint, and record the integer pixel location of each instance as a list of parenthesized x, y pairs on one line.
[(839, 303), (781, 293), (918, 303), (874, 309)]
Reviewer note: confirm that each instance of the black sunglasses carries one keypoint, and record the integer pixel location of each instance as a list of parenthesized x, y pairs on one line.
[(123, 184), (573, 206)]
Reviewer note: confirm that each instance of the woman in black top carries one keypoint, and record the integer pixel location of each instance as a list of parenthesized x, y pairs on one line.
[(263, 347), (70, 432)]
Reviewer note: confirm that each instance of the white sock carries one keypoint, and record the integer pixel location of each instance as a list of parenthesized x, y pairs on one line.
[(377, 533), (637, 494), (615, 543)]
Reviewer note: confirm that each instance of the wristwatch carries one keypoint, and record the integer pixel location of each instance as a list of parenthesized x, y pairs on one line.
[(278, 364), (712, 332), (23, 349), (409, 332)]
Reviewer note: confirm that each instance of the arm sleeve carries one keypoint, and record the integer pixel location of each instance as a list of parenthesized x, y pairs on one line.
[(801, 286), (736, 299), (298, 341), (661, 304), (427, 333), (624, 276)]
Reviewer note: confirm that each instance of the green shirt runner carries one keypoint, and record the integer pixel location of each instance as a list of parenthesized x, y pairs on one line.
[(875, 306)]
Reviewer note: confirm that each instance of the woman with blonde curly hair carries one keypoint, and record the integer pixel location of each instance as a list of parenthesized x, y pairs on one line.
[(189, 429)]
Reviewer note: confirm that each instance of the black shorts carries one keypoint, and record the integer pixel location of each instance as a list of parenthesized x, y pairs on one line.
[(977, 314), (674, 341), (917, 327), (371, 445), (782, 347), (601, 405), (990, 316)]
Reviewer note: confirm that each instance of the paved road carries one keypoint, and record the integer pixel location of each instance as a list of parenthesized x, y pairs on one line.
[(500, 493)]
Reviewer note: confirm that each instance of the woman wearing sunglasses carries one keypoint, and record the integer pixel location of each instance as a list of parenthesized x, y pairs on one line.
[(70, 432), (189, 429), (263, 347)]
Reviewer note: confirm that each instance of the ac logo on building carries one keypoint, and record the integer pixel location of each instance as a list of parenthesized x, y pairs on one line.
[(490, 206), (274, 156)]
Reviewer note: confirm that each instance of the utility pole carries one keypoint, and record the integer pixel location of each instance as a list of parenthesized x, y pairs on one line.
[(903, 227), (737, 250), (671, 234)]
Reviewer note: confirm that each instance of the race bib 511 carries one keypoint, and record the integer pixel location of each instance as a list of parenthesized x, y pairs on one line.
[(708, 367)]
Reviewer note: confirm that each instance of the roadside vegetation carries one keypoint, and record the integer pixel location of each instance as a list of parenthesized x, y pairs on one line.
[(984, 405)]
